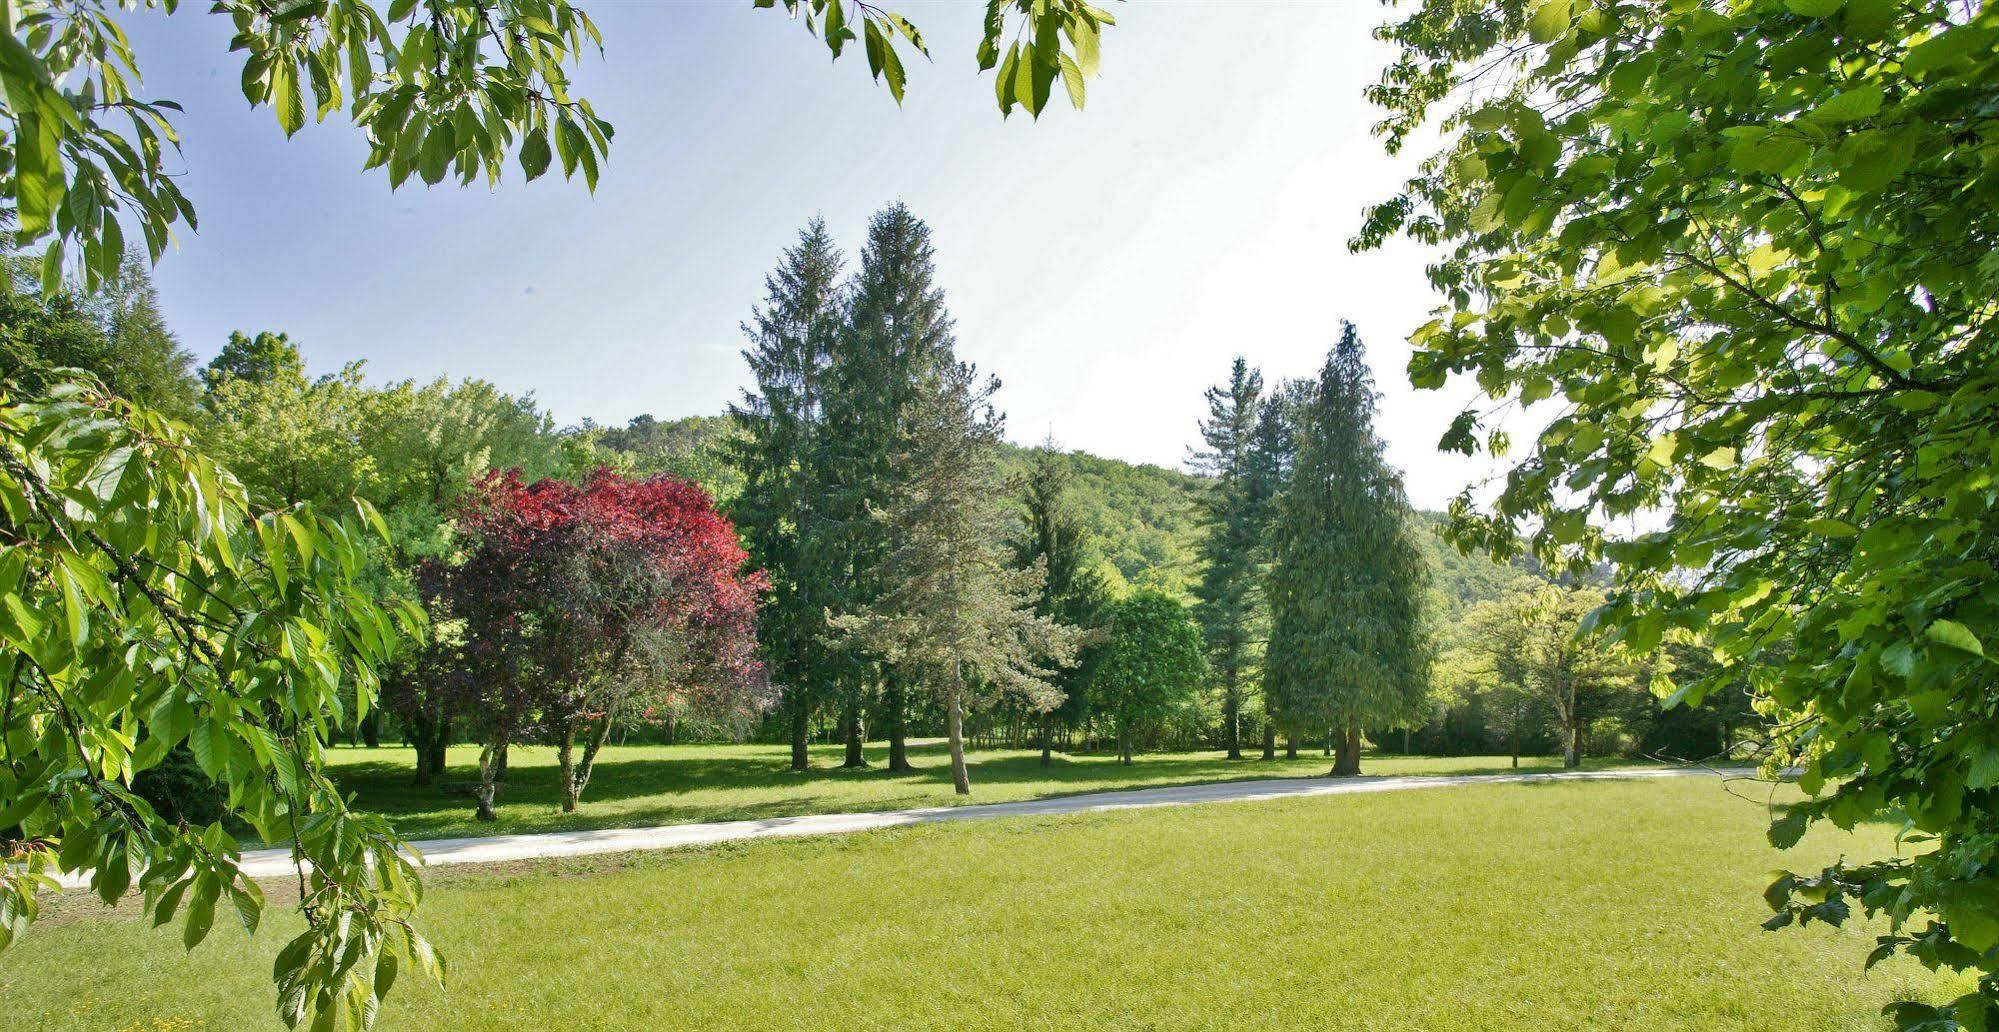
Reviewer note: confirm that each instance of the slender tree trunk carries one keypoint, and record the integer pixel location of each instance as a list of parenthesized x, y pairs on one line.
[(489, 769), (590, 749), (898, 726), (1124, 745), (565, 762), (1269, 740), (850, 728), (1513, 733), (1290, 746), (1347, 762), (1048, 739), (1572, 753), (1232, 716), (961, 779), (371, 729), (801, 730), (1328, 751), (500, 762)]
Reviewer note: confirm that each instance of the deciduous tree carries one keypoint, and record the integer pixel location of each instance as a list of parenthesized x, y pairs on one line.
[(1741, 257), (1153, 663), (146, 603)]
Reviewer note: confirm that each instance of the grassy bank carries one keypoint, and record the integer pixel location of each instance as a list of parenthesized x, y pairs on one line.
[(1494, 907)]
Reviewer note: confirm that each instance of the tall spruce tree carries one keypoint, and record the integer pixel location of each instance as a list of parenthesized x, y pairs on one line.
[(897, 334), (792, 335), (954, 616), (1231, 546), (1073, 592), (1347, 648), (1273, 447)]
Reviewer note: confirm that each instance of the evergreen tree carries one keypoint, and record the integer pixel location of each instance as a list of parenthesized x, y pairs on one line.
[(1272, 449), (1346, 643), (954, 616), (792, 336), (148, 364), (897, 334), (1231, 561), (1073, 592)]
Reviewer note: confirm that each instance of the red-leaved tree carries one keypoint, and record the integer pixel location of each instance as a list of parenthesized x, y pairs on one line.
[(584, 604)]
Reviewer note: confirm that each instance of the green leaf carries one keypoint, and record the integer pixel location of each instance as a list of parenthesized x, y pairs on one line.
[(1815, 8), (285, 98), (1851, 106), (1955, 635), (534, 154), (1828, 527), (200, 909), (1785, 831), (1549, 21)]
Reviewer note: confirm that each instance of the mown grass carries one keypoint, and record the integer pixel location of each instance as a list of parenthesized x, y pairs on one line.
[(1607, 906), (644, 785)]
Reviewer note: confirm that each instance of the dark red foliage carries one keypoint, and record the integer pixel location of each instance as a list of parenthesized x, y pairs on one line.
[(566, 585)]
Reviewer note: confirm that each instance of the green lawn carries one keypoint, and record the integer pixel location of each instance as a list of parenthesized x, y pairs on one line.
[(642, 785), (1617, 906)]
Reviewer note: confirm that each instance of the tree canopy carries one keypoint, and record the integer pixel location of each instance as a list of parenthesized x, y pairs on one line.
[(1743, 256), (145, 603)]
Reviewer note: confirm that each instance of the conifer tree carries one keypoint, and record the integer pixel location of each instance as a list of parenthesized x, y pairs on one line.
[(792, 336), (1346, 644), (954, 617), (896, 334), (1073, 592), (1268, 464), (1231, 547)]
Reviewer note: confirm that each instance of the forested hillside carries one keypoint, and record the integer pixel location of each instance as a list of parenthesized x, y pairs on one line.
[(1141, 518)]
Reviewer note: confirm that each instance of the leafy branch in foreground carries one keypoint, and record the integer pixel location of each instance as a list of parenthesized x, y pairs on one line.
[(440, 87), (1023, 38), (144, 608), (1746, 253)]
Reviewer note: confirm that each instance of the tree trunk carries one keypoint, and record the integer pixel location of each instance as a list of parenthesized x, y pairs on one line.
[(1330, 734), (430, 736), (1572, 752), (590, 749), (801, 728), (1513, 734), (1346, 764), (500, 762), (1124, 745), (961, 779), (898, 727), (850, 729), (371, 729), (1290, 746), (1232, 718), (565, 762), (489, 769), (1269, 740), (1048, 739)]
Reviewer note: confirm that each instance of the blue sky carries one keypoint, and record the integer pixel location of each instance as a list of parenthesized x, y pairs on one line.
[(1106, 264)]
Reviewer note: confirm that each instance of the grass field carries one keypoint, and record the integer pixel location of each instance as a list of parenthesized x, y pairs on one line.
[(1609, 906), (642, 785)]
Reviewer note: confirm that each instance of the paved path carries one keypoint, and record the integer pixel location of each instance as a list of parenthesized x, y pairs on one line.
[(267, 863)]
